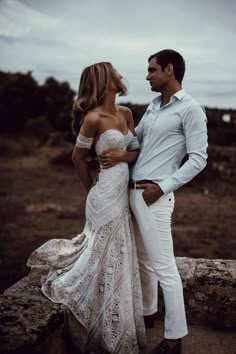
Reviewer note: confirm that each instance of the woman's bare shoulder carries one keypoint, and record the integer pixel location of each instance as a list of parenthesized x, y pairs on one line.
[(126, 112), (92, 119), (90, 124), (124, 109)]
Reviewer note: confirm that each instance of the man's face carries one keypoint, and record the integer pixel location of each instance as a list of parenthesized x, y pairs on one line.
[(158, 79)]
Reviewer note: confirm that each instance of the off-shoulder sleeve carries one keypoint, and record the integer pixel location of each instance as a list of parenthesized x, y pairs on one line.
[(134, 144), (84, 142)]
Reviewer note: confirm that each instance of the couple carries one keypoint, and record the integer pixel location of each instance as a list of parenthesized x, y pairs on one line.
[(97, 274)]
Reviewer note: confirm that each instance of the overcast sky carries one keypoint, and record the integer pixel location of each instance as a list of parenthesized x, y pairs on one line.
[(60, 38)]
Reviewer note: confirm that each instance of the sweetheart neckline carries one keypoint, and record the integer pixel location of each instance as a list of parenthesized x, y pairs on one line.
[(116, 130)]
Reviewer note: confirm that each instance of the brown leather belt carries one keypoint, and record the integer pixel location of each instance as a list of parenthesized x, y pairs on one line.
[(132, 185)]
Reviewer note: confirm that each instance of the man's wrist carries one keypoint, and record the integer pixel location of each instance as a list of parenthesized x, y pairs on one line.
[(121, 156), (160, 190), (166, 186)]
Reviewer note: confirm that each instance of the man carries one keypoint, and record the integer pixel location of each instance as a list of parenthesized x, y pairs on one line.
[(174, 125)]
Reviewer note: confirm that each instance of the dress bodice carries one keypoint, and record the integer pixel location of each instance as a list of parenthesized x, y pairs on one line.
[(109, 196), (113, 139)]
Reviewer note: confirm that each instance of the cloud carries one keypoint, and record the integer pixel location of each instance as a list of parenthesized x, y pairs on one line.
[(58, 38), (18, 20)]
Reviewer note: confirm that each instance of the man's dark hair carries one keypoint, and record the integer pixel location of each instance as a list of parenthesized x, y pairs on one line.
[(169, 56)]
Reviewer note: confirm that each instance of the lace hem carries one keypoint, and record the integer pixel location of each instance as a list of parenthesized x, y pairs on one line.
[(96, 276)]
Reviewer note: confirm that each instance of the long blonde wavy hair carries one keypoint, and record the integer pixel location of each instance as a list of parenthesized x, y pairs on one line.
[(93, 86)]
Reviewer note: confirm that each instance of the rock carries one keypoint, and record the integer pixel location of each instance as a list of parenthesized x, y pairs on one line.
[(26, 317), (215, 292), (30, 323), (43, 207), (209, 291)]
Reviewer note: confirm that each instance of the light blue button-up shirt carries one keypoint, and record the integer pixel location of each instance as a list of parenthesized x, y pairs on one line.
[(166, 135)]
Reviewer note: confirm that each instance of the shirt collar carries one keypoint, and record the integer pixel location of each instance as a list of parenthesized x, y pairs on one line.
[(180, 94), (156, 101)]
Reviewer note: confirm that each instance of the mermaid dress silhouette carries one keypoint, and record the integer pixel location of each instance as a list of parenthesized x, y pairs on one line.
[(96, 274)]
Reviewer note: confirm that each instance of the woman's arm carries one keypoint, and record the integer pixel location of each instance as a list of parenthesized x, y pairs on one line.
[(79, 159), (82, 149)]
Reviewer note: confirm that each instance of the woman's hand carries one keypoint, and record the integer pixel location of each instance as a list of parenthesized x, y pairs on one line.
[(110, 158)]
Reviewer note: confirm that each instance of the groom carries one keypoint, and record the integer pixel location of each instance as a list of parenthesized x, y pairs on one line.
[(174, 125)]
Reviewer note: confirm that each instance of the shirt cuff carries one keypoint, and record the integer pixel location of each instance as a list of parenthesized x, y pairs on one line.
[(167, 185)]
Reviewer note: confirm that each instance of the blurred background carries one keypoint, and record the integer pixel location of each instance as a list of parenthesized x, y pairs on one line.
[(44, 47)]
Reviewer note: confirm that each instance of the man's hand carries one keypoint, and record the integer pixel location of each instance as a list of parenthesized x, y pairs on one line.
[(152, 192), (110, 158)]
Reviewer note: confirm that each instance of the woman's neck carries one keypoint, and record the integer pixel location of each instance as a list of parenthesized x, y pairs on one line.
[(109, 103)]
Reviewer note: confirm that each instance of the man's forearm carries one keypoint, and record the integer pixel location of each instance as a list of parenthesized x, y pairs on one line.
[(191, 168), (110, 158), (129, 156)]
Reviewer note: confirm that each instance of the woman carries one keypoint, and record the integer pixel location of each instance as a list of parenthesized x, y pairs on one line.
[(96, 273)]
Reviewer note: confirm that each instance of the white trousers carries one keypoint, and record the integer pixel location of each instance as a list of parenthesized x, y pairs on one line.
[(156, 261)]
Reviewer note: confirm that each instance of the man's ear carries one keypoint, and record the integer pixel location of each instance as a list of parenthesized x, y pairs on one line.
[(170, 69)]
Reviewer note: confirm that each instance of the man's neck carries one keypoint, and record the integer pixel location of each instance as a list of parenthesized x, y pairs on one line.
[(168, 92)]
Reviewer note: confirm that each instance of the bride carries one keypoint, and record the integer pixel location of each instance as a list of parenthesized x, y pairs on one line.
[(96, 273)]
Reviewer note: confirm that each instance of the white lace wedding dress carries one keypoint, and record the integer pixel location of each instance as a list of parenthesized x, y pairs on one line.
[(96, 273)]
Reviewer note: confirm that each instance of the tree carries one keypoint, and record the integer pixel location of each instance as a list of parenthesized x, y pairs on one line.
[(17, 100), (59, 99)]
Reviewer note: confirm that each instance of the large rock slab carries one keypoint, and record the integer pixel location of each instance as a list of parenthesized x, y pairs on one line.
[(209, 291), (213, 298), (30, 323)]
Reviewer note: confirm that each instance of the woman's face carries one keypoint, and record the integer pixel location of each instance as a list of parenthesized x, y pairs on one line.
[(116, 83), (117, 75)]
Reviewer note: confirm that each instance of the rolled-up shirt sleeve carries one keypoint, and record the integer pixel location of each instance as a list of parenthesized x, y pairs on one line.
[(195, 132)]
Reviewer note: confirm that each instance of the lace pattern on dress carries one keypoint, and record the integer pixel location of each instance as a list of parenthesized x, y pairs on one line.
[(84, 142), (96, 273)]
